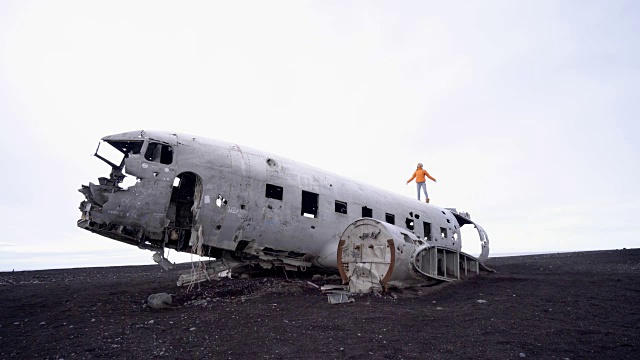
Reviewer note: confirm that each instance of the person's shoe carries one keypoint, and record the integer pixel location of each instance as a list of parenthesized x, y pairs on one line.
[(427, 200)]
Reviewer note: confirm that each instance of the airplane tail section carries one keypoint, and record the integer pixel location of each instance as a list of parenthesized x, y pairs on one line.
[(376, 256)]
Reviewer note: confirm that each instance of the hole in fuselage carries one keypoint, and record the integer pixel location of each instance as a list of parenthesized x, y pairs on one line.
[(409, 223), (221, 201)]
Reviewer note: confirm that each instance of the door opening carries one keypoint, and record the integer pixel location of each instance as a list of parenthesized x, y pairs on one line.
[(187, 190)]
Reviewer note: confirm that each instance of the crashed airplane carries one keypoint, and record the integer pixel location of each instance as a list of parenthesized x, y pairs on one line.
[(247, 208)]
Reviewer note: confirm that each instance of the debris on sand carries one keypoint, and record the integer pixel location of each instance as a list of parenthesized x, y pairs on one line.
[(159, 301), (339, 297)]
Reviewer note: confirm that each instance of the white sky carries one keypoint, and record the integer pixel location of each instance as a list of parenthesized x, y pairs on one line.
[(525, 111)]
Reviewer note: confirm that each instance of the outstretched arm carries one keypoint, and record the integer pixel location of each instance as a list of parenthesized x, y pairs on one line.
[(429, 176), (413, 177)]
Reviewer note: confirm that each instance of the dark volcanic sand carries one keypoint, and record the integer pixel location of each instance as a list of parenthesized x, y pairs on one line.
[(571, 305)]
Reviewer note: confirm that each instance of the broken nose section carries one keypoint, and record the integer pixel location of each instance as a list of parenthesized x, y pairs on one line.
[(377, 256), (135, 216)]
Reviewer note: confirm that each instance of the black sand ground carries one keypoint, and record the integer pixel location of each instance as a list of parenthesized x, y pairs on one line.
[(571, 305)]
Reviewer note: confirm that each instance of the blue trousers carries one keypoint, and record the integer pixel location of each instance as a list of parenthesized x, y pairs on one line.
[(424, 188)]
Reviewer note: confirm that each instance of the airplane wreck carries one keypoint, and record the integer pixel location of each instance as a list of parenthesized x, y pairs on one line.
[(246, 208)]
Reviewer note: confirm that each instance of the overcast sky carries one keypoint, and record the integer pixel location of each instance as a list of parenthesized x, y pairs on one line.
[(526, 112)]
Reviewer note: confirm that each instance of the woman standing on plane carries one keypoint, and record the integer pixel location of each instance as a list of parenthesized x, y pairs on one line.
[(420, 175)]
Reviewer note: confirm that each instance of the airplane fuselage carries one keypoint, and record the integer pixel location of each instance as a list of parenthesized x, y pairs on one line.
[(225, 198)]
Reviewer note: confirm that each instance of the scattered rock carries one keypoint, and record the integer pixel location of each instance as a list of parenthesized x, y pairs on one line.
[(159, 301), (522, 355), (481, 301)]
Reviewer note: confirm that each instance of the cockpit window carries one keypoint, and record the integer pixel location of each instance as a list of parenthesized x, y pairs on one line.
[(128, 147), (114, 154), (158, 152)]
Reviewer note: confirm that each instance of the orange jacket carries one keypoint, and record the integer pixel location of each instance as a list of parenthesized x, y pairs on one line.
[(419, 175)]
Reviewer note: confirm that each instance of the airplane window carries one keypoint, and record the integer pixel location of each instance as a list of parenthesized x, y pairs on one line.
[(309, 204), (366, 212), (166, 155), (427, 230), (273, 192), (443, 232), (390, 218), (153, 152), (341, 207), (161, 153)]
